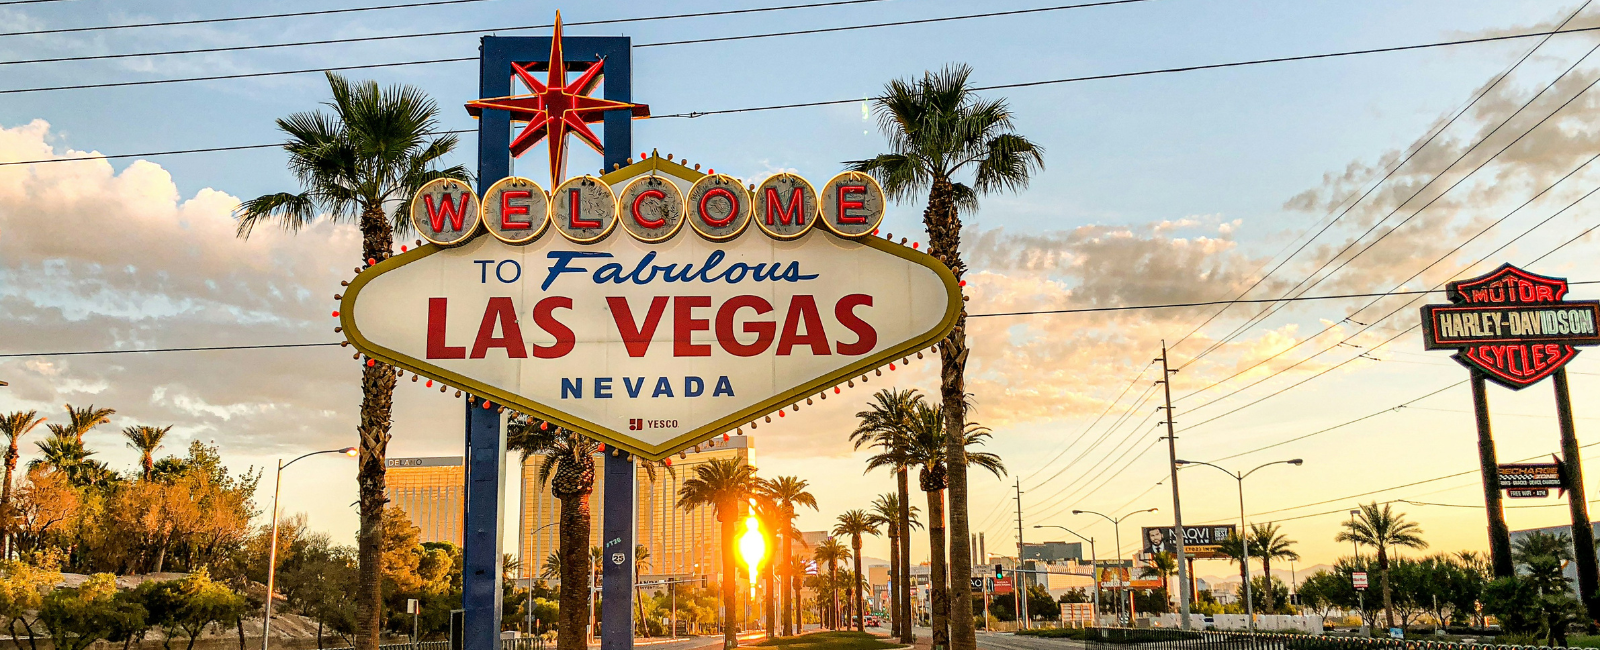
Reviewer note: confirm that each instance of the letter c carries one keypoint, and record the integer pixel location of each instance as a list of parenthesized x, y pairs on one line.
[(639, 200)]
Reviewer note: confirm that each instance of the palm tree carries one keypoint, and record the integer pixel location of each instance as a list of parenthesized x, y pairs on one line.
[(795, 567), (146, 440), (1382, 528), (724, 484), (856, 523), (773, 521), (885, 426), (925, 449), (552, 567), (61, 452), (567, 465), (641, 559), (1268, 543), (1162, 566), (886, 513), (831, 552), (13, 426), (374, 150), (938, 130), (81, 421), (789, 492)]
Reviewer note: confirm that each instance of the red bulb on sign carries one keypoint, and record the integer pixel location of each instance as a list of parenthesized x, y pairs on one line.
[(914, 245), (371, 261), (429, 384), (780, 414), (402, 248), (724, 437), (962, 283), (544, 426), (668, 462), (335, 313), (835, 390), (372, 362), (891, 367), (486, 404), (602, 446)]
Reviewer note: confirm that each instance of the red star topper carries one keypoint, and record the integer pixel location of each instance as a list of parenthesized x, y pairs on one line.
[(556, 108)]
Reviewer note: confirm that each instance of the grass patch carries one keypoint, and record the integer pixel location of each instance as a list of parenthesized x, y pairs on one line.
[(831, 641)]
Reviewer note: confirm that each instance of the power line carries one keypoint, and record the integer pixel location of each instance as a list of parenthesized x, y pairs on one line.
[(1393, 409), (268, 346), (203, 21), (1303, 287), (718, 39), (1396, 168)]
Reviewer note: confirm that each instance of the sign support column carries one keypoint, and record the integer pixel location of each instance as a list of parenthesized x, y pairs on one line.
[(1582, 532), (616, 553), (480, 553), (1499, 534)]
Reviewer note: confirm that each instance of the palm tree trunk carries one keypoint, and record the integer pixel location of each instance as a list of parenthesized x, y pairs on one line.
[(573, 600), (768, 598), (1266, 574), (1383, 573), (729, 589), (148, 462), (377, 405), (5, 501), (833, 595), (787, 582), (938, 590), (856, 585), (894, 582), (907, 634)]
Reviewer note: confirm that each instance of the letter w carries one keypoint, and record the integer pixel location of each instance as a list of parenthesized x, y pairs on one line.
[(637, 339), (436, 216), (792, 214)]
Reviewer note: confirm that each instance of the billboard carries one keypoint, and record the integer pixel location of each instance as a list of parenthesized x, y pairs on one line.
[(1512, 325), (1531, 480), (655, 306), (1122, 578), (1200, 542), (1077, 613)]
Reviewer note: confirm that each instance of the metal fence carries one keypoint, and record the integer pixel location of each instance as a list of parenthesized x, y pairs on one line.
[(1167, 639), (524, 643)]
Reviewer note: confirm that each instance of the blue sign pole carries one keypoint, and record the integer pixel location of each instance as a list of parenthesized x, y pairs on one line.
[(481, 554)]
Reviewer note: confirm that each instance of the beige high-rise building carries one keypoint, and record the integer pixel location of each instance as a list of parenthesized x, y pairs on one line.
[(681, 543), (431, 491)]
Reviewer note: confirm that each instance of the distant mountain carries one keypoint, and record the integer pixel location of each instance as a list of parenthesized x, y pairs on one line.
[(1300, 574)]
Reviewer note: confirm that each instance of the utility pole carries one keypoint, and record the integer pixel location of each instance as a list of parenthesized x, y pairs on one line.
[(1016, 576), (1177, 511)]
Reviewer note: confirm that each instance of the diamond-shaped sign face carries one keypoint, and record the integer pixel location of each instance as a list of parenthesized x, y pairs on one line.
[(1512, 325), (651, 345)]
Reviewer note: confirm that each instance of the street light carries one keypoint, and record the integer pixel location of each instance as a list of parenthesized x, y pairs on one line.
[(272, 554), (1244, 538), (1094, 561), (1116, 525), (530, 578)]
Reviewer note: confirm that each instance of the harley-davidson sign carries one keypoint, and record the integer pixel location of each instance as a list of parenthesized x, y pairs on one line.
[(653, 307), (1512, 325)]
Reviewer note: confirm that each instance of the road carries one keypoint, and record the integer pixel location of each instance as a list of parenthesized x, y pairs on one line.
[(1006, 641)]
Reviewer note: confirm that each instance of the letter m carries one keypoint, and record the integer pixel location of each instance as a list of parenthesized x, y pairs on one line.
[(788, 215), (437, 215)]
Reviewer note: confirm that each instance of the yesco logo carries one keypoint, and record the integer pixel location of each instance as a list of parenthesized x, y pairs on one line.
[(652, 338)]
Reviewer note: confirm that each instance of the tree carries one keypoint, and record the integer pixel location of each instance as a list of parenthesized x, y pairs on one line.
[(77, 617), (856, 523), (724, 484), (831, 552), (145, 440), (1268, 543), (886, 512), (1232, 547), (13, 426), (83, 420), (886, 427), (1382, 528), (373, 151), (22, 589), (1162, 566), (938, 130), (1040, 604), (1538, 600), (187, 605), (567, 465), (641, 561), (926, 449), (788, 492)]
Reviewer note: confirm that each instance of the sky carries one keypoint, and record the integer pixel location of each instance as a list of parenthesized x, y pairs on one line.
[(1156, 189)]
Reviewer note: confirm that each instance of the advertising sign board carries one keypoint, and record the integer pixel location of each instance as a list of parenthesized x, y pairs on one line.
[(1200, 542), (655, 306), (1002, 586), (1079, 613), (1121, 578), (1531, 480), (1358, 579), (1512, 325)]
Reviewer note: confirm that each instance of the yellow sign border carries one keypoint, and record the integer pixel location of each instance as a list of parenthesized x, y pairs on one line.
[(618, 438)]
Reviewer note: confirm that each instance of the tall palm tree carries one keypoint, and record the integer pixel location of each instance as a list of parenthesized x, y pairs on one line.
[(13, 426), (795, 567), (789, 492), (81, 421), (1162, 566), (567, 465), (831, 552), (1268, 543), (61, 452), (925, 449), (724, 484), (885, 426), (1232, 547), (641, 560), (773, 521), (940, 130), (376, 148), (146, 440), (886, 513), (856, 523), (1382, 528)]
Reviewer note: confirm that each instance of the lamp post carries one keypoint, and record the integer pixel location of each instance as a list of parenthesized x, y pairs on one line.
[(1116, 525), (1094, 562), (529, 578), (272, 553), (1244, 537)]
